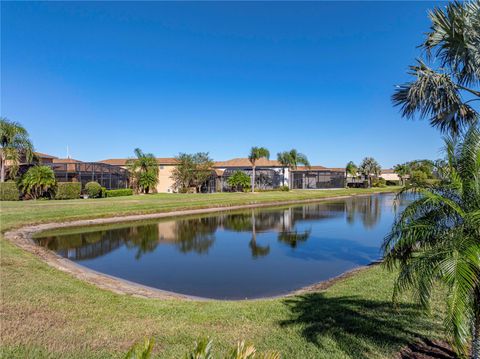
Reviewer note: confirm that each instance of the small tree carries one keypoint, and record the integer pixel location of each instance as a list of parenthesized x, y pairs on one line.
[(292, 159), (402, 171), (192, 171), (255, 154), (239, 181), (37, 181), (143, 170), (350, 169), (93, 189), (14, 143), (369, 168)]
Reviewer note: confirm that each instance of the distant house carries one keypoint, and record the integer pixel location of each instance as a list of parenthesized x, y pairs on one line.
[(389, 175)]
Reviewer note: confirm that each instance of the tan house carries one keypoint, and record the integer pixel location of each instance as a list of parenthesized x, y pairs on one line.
[(165, 168), (389, 175)]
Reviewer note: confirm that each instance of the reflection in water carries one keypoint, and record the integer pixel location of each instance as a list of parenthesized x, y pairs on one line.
[(236, 254), (198, 234)]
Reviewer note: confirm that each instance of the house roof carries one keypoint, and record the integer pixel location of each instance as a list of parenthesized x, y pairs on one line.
[(123, 161), (245, 162), (65, 160), (388, 170), (44, 155), (319, 168)]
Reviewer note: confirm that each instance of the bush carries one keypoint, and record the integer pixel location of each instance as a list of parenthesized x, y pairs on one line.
[(68, 190), (118, 192), (379, 182), (103, 193), (9, 191), (284, 188), (393, 183), (38, 181), (93, 189), (239, 181)]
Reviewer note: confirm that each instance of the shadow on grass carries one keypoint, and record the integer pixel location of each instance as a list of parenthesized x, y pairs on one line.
[(354, 326)]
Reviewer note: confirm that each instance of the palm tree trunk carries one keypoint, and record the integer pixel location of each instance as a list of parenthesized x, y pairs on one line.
[(253, 178), (476, 330), (2, 169)]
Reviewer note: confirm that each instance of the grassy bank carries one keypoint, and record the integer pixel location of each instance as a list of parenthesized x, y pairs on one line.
[(47, 313)]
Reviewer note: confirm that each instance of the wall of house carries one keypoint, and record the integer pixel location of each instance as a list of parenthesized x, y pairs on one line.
[(390, 177), (165, 183)]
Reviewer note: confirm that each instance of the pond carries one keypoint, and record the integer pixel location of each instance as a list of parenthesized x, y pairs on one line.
[(239, 254)]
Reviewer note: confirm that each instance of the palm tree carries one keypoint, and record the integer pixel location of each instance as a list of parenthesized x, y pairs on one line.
[(144, 170), (15, 143), (437, 239), (368, 168), (255, 154), (445, 94), (292, 159), (37, 181), (402, 170), (351, 169), (285, 161)]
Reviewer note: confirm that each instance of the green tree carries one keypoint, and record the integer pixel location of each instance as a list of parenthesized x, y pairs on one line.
[(403, 171), (352, 170), (239, 181), (192, 171), (37, 181), (143, 170), (15, 144), (369, 168), (255, 154), (446, 93), (437, 239)]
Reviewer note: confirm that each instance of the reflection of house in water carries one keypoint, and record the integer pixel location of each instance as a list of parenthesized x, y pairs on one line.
[(197, 234)]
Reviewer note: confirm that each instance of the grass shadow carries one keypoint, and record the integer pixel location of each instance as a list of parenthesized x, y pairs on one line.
[(355, 326)]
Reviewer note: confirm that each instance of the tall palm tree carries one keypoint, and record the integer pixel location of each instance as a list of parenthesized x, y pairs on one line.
[(351, 169), (292, 159), (446, 94), (255, 154), (368, 168), (437, 239), (144, 170), (285, 161), (15, 143), (402, 170)]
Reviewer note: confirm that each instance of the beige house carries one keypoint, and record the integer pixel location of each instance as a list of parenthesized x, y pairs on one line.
[(389, 175), (165, 168)]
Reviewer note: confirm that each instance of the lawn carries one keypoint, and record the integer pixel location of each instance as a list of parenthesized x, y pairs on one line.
[(48, 313)]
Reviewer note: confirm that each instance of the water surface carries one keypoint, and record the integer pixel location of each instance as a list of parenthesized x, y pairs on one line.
[(232, 255)]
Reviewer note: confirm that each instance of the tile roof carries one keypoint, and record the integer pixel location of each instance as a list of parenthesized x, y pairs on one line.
[(387, 170), (65, 160), (123, 161), (245, 162), (44, 155)]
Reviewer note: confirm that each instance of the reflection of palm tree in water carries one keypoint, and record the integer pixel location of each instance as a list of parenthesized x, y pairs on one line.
[(196, 235), (292, 238), (144, 238), (257, 250), (368, 208)]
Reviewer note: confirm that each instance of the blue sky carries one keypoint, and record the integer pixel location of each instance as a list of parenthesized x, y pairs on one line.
[(106, 77)]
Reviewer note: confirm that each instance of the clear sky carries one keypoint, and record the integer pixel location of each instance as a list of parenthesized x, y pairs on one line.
[(106, 77)]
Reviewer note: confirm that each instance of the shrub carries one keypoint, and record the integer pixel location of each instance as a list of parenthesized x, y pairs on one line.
[(103, 193), (38, 181), (68, 190), (379, 182), (9, 191), (93, 189), (284, 188), (393, 183), (118, 192), (239, 181)]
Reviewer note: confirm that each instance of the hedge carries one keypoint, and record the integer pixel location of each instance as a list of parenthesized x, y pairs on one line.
[(68, 190), (93, 189), (9, 191), (118, 192)]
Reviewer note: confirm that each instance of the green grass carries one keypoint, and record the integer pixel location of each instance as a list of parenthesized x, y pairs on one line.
[(48, 313)]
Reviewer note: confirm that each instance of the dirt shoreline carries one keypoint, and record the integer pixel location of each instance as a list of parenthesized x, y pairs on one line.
[(22, 238)]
